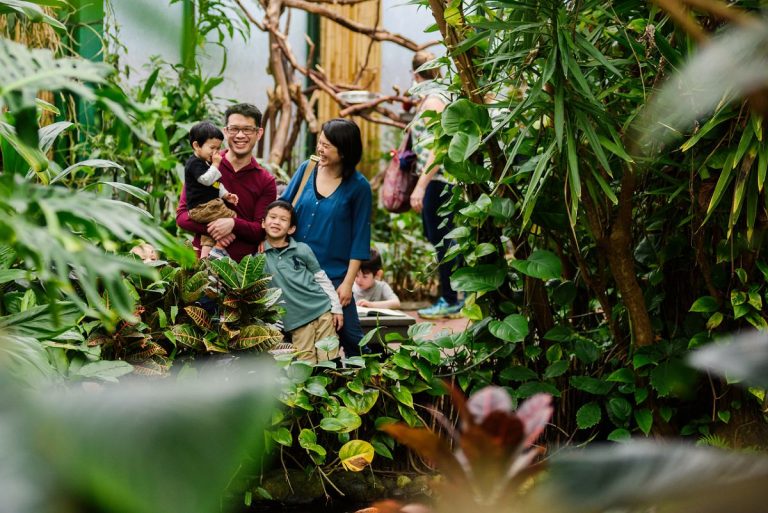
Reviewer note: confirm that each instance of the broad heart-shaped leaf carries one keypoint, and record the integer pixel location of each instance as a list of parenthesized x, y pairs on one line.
[(42, 322), (705, 304), (742, 357), (638, 475), (462, 112), (481, 278), (359, 403), (463, 145), (97, 446), (199, 316), (343, 422), (541, 264), (308, 440), (514, 328), (255, 336), (355, 455)]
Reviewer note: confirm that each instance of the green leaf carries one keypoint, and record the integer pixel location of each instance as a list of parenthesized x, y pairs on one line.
[(619, 408), (402, 394), (282, 436), (644, 419), (514, 328), (463, 145), (671, 377), (623, 375), (42, 322), (533, 388), (591, 385), (481, 278), (588, 415), (619, 435), (586, 350), (518, 373), (343, 422), (105, 370), (556, 369), (541, 264), (705, 304), (462, 112)]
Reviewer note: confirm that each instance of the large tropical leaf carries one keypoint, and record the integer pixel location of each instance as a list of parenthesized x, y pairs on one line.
[(643, 474), (95, 446), (32, 10), (42, 322)]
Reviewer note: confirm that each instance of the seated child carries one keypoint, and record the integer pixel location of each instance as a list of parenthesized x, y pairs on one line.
[(369, 290), (312, 307), (204, 192)]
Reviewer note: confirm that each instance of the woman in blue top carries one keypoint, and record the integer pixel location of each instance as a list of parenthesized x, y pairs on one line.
[(334, 212)]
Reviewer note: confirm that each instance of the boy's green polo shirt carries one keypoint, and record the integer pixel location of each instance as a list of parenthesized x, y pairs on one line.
[(293, 271)]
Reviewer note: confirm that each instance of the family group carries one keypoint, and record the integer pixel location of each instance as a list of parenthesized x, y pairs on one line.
[(316, 235)]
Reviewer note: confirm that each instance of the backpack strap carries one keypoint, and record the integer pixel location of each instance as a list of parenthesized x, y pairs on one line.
[(313, 160)]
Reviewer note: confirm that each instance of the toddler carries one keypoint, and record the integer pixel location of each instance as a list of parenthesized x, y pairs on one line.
[(369, 290)]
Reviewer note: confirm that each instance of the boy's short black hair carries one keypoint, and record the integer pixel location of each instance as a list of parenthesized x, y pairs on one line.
[(373, 264), (345, 136), (203, 131), (244, 109), (285, 206)]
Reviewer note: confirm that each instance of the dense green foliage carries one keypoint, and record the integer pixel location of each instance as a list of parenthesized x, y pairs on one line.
[(618, 261)]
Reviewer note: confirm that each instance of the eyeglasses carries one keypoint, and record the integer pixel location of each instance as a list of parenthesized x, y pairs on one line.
[(246, 130)]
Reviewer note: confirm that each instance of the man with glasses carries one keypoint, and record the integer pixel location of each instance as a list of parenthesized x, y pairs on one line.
[(241, 175)]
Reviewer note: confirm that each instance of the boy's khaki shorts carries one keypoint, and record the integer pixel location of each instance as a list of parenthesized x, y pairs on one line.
[(304, 338), (210, 211)]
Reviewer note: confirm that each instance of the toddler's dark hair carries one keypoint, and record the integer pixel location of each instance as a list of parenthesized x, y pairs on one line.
[(203, 131), (285, 206), (373, 264)]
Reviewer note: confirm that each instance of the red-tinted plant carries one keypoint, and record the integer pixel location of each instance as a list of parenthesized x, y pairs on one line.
[(491, 455)]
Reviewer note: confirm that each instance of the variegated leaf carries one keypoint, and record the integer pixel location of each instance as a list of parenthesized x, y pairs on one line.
[(99, 339), (152, 349), (254, 336), (230, 315), (213, 347), (199, 316), (150, 368), (227, 271), (257, 286), (229, 332), (268, 298), (231, 302), (251, 269), (187, 336), (192, 288)]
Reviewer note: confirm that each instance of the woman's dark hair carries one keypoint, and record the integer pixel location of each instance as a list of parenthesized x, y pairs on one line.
[(285, 206), (420, 58), (203, 131), (345, 136), (373, 264), (244, 109)]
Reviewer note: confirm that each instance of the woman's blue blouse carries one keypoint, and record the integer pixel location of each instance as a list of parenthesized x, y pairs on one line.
[(337, 228)]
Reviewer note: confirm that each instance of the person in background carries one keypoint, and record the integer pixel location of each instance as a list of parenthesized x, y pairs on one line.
[(312, 308), (431, 192), (243, 176), (205, 194), (334, 211), (369, 290)]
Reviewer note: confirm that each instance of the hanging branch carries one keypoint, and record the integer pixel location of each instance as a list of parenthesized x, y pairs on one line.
[(374, 33)]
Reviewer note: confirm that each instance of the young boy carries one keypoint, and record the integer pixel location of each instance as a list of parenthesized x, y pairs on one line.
[(204, 192), (312, 307), (369, 290)]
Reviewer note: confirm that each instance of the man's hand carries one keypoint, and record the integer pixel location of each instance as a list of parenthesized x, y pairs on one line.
[(231, 198), (226, 240), (338, 321), (344, 292), (216, 159), (221, 227)]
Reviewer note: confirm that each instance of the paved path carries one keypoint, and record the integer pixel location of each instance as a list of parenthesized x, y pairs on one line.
[(452, 325)]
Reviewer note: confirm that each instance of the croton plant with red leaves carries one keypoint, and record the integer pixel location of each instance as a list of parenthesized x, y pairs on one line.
[(487, 460)]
